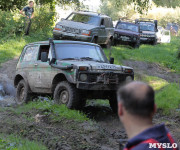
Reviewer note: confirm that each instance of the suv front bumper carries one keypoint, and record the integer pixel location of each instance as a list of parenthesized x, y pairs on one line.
[(97, 87), (71, 36), (147, 39)]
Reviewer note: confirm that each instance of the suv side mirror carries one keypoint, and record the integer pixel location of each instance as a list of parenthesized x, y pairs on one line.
[(111, 60), (44, 57), (102, 27)]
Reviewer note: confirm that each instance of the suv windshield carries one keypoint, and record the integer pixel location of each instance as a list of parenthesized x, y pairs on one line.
[(147, 27), (93, 20), (126, 26), (79, 52)]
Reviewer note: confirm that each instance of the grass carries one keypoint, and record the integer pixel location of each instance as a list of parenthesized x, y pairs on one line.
[(12, 47), (169, 98), (155, 82), (164, 54), (11, 142), (56, 112)]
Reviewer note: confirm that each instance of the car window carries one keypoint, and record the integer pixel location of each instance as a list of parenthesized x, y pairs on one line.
[(30, 53), (78, 51), (126, 26), (87, 19), (147, 27)]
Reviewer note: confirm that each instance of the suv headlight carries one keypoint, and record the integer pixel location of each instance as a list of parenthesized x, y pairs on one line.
[(83, 77), (85, 32), (58, 27)]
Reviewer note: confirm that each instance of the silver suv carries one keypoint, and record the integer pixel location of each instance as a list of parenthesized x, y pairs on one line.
[(86, 26)]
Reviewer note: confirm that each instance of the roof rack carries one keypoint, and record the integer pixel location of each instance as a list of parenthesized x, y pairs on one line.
[(126, 20), (145, 20), (92, 12)]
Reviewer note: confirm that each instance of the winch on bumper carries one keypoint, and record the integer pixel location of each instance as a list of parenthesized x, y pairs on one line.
[(102, 81)]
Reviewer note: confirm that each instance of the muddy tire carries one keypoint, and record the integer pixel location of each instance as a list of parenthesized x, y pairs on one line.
[(154, 42), (136, 45), (23, 94), (68, 94), (113, 103)]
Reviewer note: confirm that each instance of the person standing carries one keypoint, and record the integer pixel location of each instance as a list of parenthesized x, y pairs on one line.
[(28, 13), (136, 108)]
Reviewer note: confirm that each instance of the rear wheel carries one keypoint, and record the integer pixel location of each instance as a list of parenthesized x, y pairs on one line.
[(154, 42), (113, 103), (23, 94), (136, 45), (68, 94)]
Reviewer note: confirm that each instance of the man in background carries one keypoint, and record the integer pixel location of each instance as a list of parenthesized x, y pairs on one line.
[(136, 108), (28, 13)]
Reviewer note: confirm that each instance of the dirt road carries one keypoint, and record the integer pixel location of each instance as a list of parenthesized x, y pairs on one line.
[(102, 134)]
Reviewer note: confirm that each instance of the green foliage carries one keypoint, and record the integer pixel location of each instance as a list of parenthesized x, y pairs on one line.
[(167, 3), (164, 54), (155, 82), (13, 46), (9, 25), (58, 112), (7, 5), (12, 142), (169, 98), (12, 22), (44, 19)]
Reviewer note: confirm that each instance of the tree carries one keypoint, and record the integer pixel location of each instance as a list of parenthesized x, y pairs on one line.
[(167, 3), (12, 4)]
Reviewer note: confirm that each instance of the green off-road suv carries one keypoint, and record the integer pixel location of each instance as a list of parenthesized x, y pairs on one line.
[(72, 71), (86, 26)]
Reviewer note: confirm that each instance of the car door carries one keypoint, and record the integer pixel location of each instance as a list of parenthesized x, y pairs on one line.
[(27, 63), (42, 72), (102, 32)]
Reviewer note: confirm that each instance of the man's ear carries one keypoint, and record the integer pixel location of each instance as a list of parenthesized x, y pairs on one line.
[(120, 109)]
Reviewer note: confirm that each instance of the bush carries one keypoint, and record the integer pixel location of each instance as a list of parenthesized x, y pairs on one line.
[(12, 22)]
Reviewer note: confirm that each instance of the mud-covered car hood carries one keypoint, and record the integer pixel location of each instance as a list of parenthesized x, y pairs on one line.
[(125, 32), (92, 65), (76, 25)]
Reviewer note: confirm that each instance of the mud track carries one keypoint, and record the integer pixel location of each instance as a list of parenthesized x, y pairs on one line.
[(103, 134)]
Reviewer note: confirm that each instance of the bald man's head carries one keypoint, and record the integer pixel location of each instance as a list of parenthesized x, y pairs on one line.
[(137, 98)]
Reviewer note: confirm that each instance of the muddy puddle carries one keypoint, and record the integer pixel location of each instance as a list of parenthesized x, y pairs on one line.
[(7, 94)]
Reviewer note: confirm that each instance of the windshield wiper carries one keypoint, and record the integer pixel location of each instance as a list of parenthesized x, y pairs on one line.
[(91, 59), (87, 58), (69, 59)]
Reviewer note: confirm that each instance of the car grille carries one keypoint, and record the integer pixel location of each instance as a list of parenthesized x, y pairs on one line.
[(71, 30), (108, 78)]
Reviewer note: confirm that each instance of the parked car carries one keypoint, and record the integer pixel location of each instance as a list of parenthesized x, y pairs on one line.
[(127, 32), (148, 29), (86, 26), (163, 35), (72, 71), (173, 27)]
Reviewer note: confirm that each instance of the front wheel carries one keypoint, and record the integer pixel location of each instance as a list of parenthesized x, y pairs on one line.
[(68, 94), (23, 94)]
